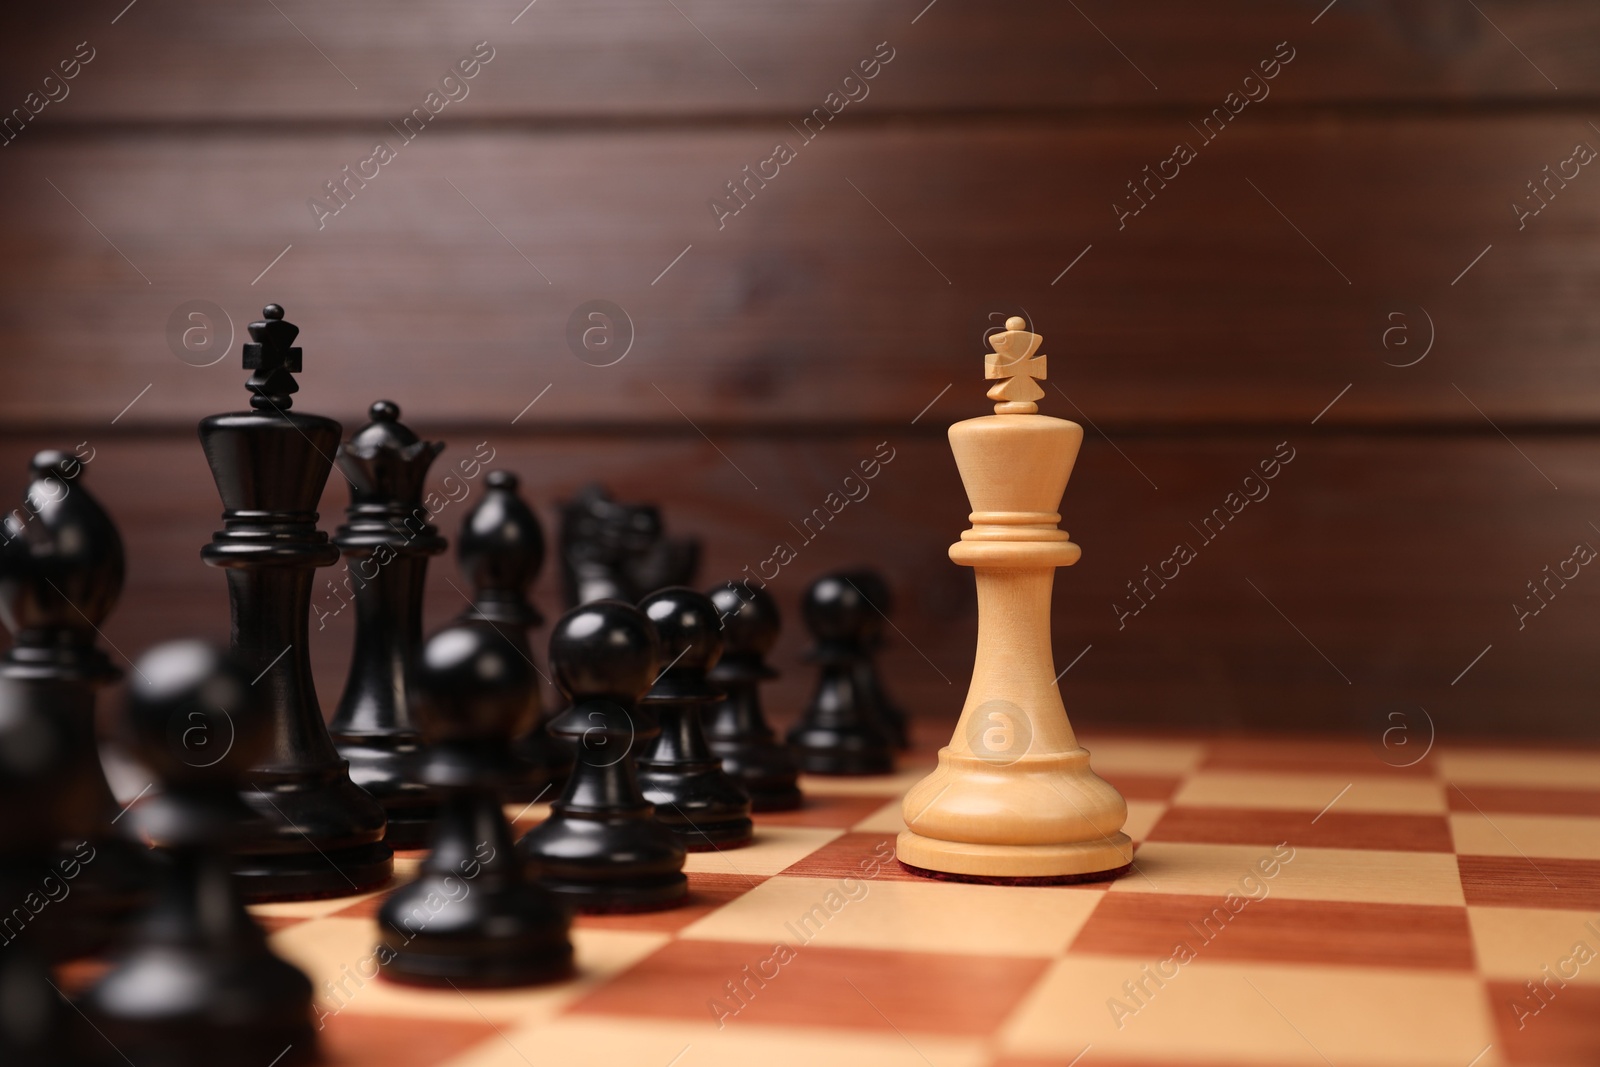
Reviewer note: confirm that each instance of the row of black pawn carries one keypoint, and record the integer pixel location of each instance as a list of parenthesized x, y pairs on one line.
[(483, 910)]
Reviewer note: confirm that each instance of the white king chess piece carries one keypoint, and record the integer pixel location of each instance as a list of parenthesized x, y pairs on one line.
[(1013, 799)]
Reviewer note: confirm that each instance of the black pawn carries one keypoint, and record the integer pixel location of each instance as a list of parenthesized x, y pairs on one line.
[(842, 729), (197, 976), (602, 849), (386, 542), (680, 775), (42, 801), (736, 729), (471, 917), (500, 552), (61, 572), (270, 465), (872, 585)]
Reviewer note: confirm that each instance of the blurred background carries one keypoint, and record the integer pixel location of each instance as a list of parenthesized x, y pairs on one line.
[(1361, 235)]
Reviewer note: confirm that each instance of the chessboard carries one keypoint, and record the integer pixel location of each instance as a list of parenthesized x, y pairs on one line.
[(1291, 902)]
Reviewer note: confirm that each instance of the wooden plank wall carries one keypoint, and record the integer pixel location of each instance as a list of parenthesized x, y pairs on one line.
[(1350, 267)]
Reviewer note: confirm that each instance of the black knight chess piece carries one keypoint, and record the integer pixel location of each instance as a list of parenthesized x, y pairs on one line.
[(619, 551), (471, 916), (842, 729), (44, 799), (196, 981), (680, 775), (386, 543), (736, 729), (61, 572), (500, 552), (872, 585), (602, 848), (270, 465)]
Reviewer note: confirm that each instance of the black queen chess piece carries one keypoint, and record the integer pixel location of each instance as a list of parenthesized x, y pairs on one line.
[(270, 465), (61, 572), (500, 552), (386, 543), (472, 916), (693, 795), (602, 849), (196, 982), (842, 730), (736, 729)]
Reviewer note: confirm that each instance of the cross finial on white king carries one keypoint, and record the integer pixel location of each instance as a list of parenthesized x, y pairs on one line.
[(1013, 360)]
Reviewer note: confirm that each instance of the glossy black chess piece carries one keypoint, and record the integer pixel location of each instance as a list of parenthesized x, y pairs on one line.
[(472, 916), (619, 551), (61, 572), (386, 542), (841, 730), (693, 795), (196, 983), (270, 465), (602, 848), (43, 800), (736, 730), (872, 585), (500, 552)]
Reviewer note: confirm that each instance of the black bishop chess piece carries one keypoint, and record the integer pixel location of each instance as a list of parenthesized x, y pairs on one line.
[(472, 916), (611, 550), (43, 800), (872, 585), (842, 729), (196, 983), (693, 795), (61, 572), (500, 552), (736, 729), (270, 465), (602, 848), (386, 543)]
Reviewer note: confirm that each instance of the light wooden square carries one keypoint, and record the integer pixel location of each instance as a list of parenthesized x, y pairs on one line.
[(983, 920), (1255, 1014)]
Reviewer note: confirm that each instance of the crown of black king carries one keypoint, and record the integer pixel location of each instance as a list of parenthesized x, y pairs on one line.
[(270, 463), (274, 359)]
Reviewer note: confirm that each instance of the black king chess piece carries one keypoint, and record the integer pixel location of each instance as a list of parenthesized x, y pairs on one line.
[(386, 542), (693, 795), (270, 465), (736, 729), (196, 977), (472, 916), (842, 730), (611, 550), (61, 572), (500, 551), (602, 848)]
